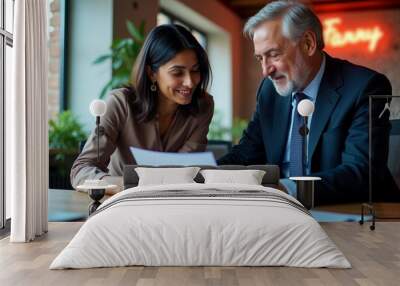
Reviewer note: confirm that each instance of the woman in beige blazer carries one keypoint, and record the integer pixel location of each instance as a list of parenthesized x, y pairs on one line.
[(166, 109)]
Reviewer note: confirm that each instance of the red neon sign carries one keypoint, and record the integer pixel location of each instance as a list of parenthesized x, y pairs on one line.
[(338, 38)]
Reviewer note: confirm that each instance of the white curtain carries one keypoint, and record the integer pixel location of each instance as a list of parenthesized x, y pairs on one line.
[(26, 123)]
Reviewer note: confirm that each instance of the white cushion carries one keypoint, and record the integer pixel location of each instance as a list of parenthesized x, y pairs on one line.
[(248, 177), (165, 176)]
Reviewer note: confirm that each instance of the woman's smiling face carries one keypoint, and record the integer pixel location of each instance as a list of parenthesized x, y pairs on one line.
[(178, 78)]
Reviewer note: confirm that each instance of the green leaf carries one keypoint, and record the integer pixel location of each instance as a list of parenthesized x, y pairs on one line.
[(115, 43), (121, 44), (105, 89), (119, 80), (66, 132), (135, 32), (141, 27), (101, 59), (117, 63), (123, 54)]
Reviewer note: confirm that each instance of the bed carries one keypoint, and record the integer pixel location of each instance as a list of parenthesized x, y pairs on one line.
[(201, 224)]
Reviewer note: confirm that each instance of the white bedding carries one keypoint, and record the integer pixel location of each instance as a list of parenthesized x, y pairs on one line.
[(186, 230)]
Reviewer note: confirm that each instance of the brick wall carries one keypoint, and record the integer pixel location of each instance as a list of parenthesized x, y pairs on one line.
[(54, 59)]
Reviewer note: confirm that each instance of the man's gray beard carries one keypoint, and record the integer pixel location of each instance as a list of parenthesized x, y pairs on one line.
[(288, 91)]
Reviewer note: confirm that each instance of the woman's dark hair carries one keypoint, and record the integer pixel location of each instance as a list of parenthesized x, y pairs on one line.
[(161, 45)]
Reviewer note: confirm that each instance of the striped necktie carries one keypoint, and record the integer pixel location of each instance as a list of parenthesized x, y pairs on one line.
[(296, 165)]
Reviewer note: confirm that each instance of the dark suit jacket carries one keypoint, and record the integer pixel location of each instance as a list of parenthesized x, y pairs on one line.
[(338, 139)]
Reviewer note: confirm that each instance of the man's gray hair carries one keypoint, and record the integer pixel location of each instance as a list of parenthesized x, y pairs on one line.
[(297, 18)]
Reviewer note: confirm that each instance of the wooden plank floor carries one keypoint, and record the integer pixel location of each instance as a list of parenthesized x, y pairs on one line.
[(374, 255)]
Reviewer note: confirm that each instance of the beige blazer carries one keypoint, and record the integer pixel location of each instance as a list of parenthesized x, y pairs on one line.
[(185, 134)]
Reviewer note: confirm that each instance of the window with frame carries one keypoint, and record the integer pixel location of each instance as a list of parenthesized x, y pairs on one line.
[(164, 17), (6, 45)]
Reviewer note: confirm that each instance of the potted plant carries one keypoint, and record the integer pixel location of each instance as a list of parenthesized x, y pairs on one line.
[(238, 126), (65, 135), (218, 131), (123, 55)]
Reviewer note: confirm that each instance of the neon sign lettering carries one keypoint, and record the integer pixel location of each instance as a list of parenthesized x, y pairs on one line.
[(335, 38)]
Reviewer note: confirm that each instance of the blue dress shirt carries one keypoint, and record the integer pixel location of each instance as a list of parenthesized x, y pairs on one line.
[(311, 91)]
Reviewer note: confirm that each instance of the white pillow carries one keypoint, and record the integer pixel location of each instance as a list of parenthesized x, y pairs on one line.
[(165, 176), (248, 177)]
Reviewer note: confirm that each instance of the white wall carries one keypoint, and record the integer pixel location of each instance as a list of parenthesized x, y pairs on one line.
[(219, 52), (90, 35)]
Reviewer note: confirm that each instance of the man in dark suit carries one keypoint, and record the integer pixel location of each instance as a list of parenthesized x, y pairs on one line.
[(288, 43)]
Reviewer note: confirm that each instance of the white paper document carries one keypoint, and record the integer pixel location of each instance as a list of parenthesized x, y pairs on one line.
[(154, 158)]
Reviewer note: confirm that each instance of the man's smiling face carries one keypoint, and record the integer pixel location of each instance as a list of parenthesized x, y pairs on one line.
[(282, 60)]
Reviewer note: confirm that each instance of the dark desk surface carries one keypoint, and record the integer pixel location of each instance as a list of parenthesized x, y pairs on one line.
[(68, 205)]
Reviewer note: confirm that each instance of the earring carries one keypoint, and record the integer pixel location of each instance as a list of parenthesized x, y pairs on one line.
[(153, 87)]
